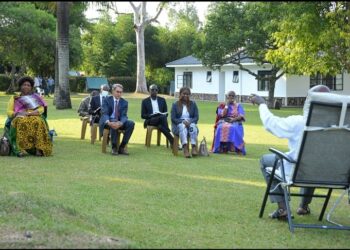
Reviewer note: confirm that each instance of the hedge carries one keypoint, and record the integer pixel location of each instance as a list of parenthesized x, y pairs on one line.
[(5, 82)]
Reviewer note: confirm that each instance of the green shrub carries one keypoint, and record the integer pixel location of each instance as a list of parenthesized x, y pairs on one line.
[(77, 84), (73, 84), (128, 82), (5, 82)]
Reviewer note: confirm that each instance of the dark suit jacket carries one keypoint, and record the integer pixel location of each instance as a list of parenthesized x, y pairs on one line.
[(147, 110), (176, 113), (108, 109), (95, 103)]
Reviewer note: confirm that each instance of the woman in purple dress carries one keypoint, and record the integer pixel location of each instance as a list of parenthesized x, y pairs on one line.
[(228, 129)]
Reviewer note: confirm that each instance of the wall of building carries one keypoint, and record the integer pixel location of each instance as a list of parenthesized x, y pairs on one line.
[(290, 89)]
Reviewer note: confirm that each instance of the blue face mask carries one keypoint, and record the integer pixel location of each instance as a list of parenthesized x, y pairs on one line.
[(104, 93)]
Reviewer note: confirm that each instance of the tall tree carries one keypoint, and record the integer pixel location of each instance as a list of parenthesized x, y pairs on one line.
[(236, 31), (141, 20), (62, 92)]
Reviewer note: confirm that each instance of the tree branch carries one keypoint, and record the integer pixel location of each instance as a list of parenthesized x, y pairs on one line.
[(154, 19)]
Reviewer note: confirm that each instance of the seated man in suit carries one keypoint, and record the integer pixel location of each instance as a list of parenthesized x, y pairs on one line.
[(85, 103), (96, 104), (155, 112), (114, 115)]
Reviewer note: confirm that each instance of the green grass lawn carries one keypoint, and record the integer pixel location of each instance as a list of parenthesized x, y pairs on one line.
[(81, 198)]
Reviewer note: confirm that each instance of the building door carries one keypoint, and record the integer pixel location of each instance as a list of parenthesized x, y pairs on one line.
[(221, 94)]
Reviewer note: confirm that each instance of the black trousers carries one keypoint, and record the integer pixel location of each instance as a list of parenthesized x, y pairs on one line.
[(128, 126), (161, 122)]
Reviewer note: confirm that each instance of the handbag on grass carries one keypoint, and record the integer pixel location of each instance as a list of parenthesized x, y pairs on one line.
[(5, 148), (203, 149)]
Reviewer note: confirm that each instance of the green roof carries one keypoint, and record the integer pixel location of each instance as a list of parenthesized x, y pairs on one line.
[(95, 82)]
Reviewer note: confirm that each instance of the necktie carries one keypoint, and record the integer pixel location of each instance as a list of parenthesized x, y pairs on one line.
[(116, 110)]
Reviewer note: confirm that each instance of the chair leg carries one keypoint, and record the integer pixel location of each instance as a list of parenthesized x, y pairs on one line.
[(325, 204), (158, 137), (104, 140), (93, 133), (83, 128), (267, 192), (148, 136), (176, 145), (289, 212)]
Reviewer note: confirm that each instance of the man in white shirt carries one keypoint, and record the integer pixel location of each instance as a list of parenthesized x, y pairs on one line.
[(154, 110), (291, 128)]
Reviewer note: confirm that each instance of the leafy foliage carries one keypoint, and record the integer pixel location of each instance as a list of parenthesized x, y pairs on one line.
[(313, 37)]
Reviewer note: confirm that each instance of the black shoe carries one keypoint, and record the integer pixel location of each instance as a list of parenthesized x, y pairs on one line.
[(122, 151), (280, 214), (114, 151), (305, 210)]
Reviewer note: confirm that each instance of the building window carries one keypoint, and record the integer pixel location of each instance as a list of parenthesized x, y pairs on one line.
[(208, 76), (235, 77), (263, 85), (332, 82), (187, 79)]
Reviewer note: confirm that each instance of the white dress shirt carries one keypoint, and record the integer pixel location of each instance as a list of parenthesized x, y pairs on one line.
[(155, 106), (290, 127)]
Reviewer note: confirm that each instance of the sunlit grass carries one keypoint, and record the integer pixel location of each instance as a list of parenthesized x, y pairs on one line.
[(82, 198)]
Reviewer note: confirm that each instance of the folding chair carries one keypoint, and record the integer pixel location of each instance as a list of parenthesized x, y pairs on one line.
[(323, 158)]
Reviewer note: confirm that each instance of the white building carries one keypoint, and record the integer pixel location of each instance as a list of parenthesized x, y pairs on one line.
[(208, 84)]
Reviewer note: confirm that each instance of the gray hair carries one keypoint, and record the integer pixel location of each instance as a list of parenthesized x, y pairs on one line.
[(105, 87), (117, 85)]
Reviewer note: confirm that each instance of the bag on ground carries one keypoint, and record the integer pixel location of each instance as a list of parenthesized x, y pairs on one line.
[(203, 149)]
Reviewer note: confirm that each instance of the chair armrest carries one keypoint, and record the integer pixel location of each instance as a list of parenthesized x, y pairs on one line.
[(282, 155)]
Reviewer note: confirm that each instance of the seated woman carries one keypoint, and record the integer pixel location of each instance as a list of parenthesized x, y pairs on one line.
[(184, 118), (28, 131), (228, 133)]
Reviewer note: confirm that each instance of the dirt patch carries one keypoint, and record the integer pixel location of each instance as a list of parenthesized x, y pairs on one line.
[(12, 239)]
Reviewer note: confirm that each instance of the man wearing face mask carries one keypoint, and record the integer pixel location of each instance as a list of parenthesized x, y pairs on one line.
[(96, 104)]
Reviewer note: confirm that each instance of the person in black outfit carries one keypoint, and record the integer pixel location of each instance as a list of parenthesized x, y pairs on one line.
[(154, 110), (96, 104)]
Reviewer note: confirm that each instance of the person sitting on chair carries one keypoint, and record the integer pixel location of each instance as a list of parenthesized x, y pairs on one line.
[(28, 130), (83, 109), (96, 105), (184, 119), (114, 116), (291, 128), (228, 129), (155, 112)]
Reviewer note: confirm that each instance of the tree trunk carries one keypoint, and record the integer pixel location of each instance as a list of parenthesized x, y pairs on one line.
[(141, 85), (270, 101), (63, 100), (56, 72)]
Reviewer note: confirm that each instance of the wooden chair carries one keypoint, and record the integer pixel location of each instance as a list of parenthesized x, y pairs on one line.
[(106, 136), (85, 121), (176, 144), (148, 140), (94, 129)]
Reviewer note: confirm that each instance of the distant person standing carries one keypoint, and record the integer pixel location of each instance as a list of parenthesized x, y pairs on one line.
[(51, 85), (44, 86), (36, 84)]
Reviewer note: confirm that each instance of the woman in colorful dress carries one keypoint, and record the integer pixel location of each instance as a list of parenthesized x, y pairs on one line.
[(28, 131), (228, 129)]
